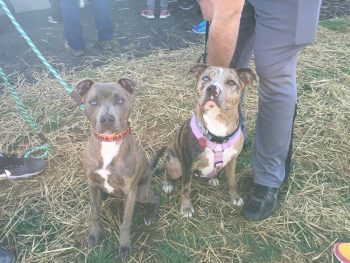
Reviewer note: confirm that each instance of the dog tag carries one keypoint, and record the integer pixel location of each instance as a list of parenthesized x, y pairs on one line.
[(202, 142)]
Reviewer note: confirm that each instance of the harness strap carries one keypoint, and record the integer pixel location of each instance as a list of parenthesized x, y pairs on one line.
[(217, 148)]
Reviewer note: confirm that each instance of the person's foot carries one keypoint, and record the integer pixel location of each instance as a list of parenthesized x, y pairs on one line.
[(105, 45), (187, 5), (12, 167), (148, 13), (342, 252), (262, 202), (164, 13), (6, 256), (77, 53), (51, 20), (200, 28)]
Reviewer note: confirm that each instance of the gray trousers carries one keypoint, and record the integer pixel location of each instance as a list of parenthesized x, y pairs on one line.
[(275, 32), (151, 3)]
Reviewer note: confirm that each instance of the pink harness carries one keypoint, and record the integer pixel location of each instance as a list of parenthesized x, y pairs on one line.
[(217, 148)]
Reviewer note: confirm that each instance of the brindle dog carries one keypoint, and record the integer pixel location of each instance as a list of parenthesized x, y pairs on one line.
[(211, 139), (114, 162)]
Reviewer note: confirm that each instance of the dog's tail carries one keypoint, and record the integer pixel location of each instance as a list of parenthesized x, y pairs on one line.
[(157, 156)]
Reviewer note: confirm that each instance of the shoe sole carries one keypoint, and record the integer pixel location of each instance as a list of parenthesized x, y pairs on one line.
[(164, 16), (13, 177), (149, 17), (197, 32)]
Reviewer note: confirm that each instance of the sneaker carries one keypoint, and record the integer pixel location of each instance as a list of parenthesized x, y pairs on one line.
[(342, 252), (6, 256), (261, 203), (200, 28), (77, 53), (51, 20), (105, 45), (12, 167), (186, 5), (164, 13), (149, 13)]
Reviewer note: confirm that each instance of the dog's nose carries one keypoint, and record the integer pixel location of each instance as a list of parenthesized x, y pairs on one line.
[(107, 119), (213, 90)]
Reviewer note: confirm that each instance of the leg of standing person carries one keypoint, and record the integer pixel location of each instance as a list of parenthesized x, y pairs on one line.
[(278, 40), (73, 31), (148, 12), (104, 24), (56, 14), (164, 11)]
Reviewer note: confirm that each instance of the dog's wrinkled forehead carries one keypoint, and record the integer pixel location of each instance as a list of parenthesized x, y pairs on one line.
[(219, 75), (107, 91)]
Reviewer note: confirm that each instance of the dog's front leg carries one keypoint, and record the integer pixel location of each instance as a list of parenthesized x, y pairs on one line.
[(125, 244), (95, 201), (186, 204), (230, 170)]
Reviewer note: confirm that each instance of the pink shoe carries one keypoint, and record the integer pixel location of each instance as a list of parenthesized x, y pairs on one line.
[(149, 13), (164, 13)]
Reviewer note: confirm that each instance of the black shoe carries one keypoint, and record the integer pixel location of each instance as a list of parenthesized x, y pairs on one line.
[(12, 167), (6, 256), (261, 203)]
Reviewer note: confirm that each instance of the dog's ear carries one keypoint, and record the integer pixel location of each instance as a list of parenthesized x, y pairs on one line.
[(198, 69), (128, 85), (246, 75), (83, 86)]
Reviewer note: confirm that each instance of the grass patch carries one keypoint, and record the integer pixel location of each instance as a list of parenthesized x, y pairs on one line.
[(339, 24)]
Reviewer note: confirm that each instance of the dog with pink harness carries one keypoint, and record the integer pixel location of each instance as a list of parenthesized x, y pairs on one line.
[(211, 139)]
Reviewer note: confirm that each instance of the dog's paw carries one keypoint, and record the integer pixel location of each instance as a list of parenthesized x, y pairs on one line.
[(168, 187), (149, 221), (187, 211), (124, 252), (238, 201), (214, 182)]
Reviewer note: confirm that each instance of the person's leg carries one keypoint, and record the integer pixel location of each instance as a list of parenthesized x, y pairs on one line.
[(103, 20), (275, 52), (244, 51), (6, 256), (164, 11), (56, 13), (73, 31), (164, 4)]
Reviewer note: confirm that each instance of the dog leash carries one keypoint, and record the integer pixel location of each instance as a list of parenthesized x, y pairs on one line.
[(203, 57)]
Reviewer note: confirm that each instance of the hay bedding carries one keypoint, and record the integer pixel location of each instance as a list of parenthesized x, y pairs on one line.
[(45, 219)]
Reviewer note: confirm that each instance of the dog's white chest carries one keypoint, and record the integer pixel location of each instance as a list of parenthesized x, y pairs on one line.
[(213, 125), (109, 150), (227, 156)]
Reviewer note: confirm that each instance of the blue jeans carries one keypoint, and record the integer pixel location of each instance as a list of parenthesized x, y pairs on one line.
[(73, 31)]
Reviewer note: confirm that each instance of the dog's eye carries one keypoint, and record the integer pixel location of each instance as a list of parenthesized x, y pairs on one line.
[(231, 82), (119, 100), (206, 78), (93, 102)]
